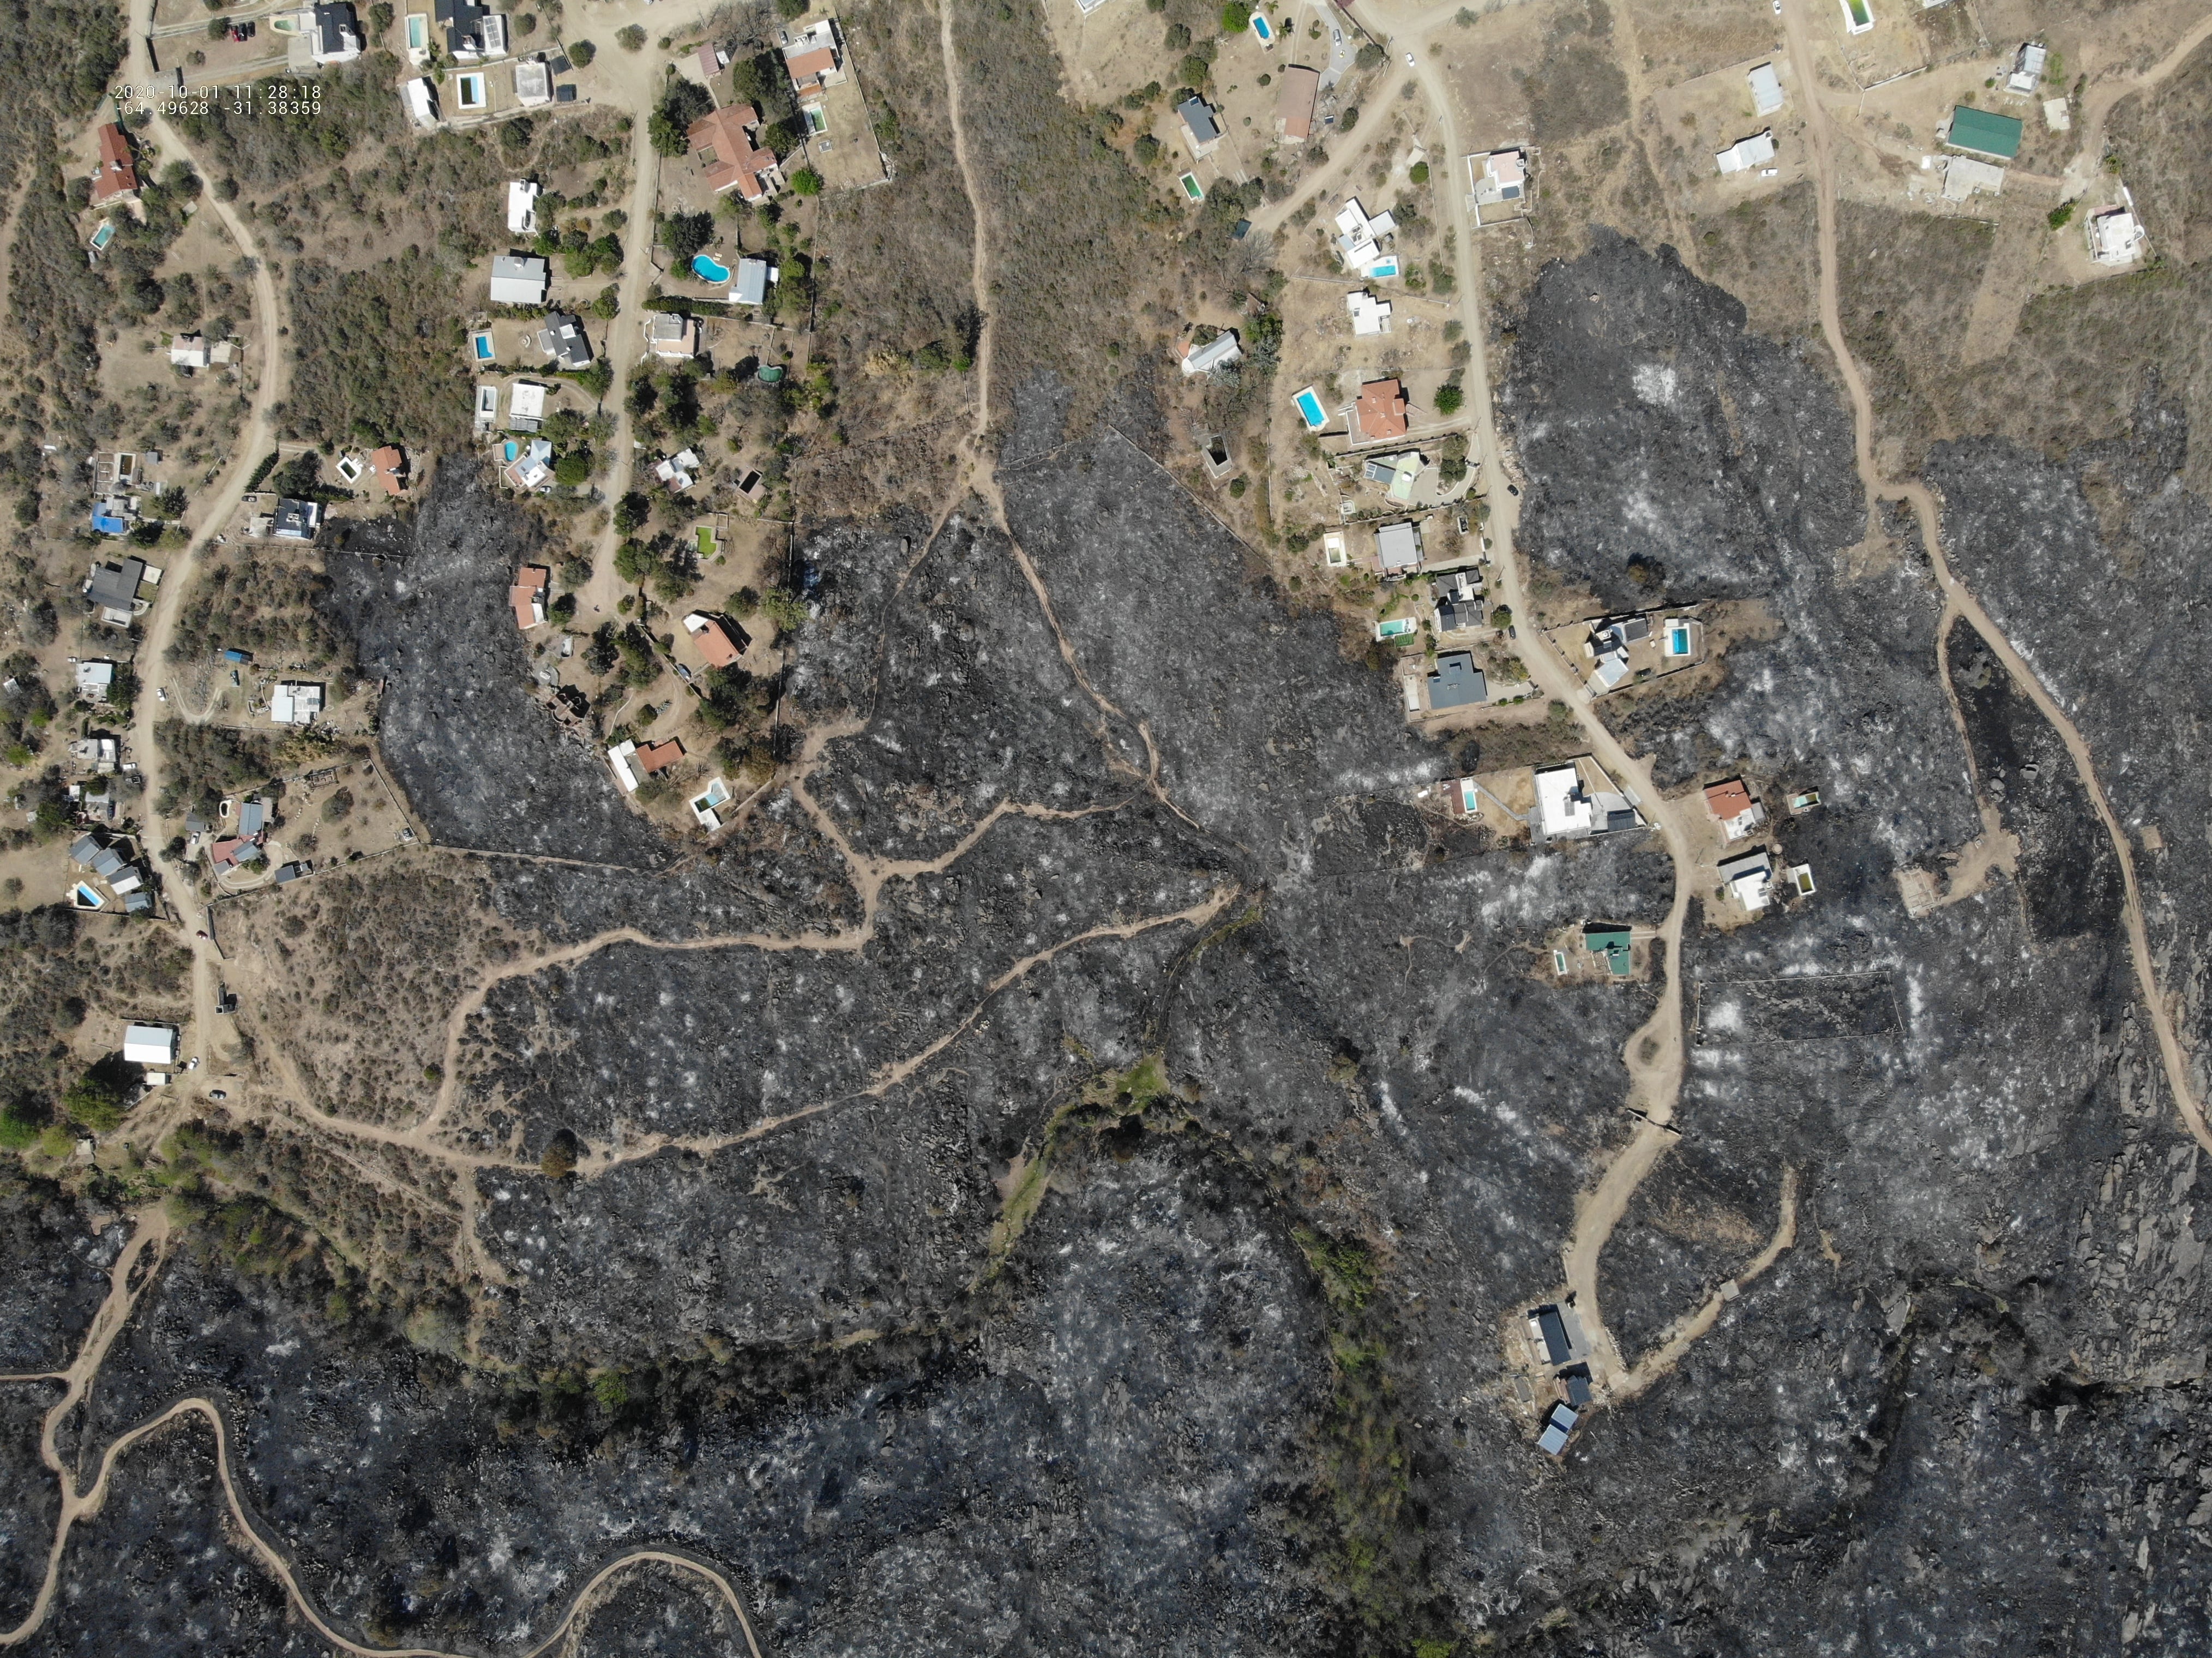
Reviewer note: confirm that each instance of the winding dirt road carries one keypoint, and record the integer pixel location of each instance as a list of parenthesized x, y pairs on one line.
[(1958, 600)]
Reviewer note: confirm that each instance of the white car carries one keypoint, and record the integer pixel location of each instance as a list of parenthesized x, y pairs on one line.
[(1409, 61)]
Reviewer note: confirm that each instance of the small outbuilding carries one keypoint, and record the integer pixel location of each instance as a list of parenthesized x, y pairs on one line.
[(151, 1044)]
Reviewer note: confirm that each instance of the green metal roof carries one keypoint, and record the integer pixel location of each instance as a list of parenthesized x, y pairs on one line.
[(1983, 133), (1602, 935)]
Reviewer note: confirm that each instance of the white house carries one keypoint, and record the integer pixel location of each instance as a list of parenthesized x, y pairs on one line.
[(1745, 153), (522, 208), (296, 702), (525, 405), (1369, 314), (422, 102), (189, 351), (1749, 879), (2028, 68), (151, 1044), (533, 82), (2117, 237), (619, 757), (1564, 809), (1218, 352), (520, 279)]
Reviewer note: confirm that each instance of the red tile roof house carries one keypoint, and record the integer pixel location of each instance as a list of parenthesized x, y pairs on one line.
[(659, 756), (388, 466), (528, 595), (713, 638), (118, 173), (1380, 412), (722, 143), (1731, 803)]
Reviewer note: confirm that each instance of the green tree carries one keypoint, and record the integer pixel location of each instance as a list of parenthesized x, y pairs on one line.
[(1418, 173), (94, 1101), (784, 608), (1449, 397), (1502, 617), (21, 1123), (580, 53), (686, 234), (573, 468), (631, 513), (634, 563), (1370, 55), (806, 182), (1236, 18), (629, 40), (1349, 119), (1178, 37)]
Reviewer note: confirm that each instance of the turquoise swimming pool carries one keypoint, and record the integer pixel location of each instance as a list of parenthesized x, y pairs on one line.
[(1678, 640), (1385, 267), (481, 340), (104, 235), (510, 449), (713, 270), (1261, 27), (1310, 409)]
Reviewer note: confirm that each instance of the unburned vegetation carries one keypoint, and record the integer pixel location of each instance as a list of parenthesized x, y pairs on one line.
[(356, 973), (377, 356), (260, 601)]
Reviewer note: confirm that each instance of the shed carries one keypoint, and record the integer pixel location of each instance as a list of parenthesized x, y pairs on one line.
[(1217, 353), (1294, 103), (151, 1044), (1983, 133), (1557, 1426), (1765, 89), (1745, 153)]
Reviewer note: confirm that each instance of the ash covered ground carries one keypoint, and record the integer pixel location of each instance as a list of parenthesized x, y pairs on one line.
[(1037, 1272)]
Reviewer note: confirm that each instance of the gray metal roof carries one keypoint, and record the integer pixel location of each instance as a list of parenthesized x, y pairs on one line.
[(1457, 682), (115, 586), (1200, 120)]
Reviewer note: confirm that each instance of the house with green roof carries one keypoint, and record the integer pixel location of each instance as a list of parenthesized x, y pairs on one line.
[(1983, 133), (1610, 940)]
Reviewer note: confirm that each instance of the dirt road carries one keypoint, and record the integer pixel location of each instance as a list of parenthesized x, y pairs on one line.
[(256, 437), (1959, 601)]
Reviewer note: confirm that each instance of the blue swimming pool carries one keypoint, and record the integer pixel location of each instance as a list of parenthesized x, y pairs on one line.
[(713, 270), (104, 235), (1385, 267), (481, 340), (510, 449), (1263, 29), (1310, 410)]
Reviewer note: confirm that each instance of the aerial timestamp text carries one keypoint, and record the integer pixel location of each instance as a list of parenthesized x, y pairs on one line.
[(248, 98)]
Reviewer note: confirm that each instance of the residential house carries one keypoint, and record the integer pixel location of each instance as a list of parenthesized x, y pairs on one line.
[(1369, 314), (1501, 183), (726, 144), (151, 1044), (84, 849), (678, 471), (387, 468), (473, 32), (422, 96), (188, 351), (712, 60), (1612, 941), (487, 408), (520, 279), (1458, 597), (533, 82), (532, 469), (1457, 682), (1379, 412), (95, 680), (296, 702), (1609, 646), (333, 32), (653, 757), (712, 636), (522, 208), (1564, 809), (2117, 237), (622, 757), (562, 339), (1732, 806), (1199, 125), (1217, 353), (1359, 240), (1556, 1331), (113, 589), (1749, 879), (296, 520), (1996, 136), (1765, 89), (2028, 68), (253, 818), (1294, 103), (752, 285), (525, 405), (815, 58), (527, 595), (116, 176), (1398, 549), (1745, 153), (672, 336)]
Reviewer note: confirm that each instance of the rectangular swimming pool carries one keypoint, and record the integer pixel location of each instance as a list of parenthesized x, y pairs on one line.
[(1385, 267), (1396, 627), (1191, 187), (481, 342), (1678, 640), (1265, 30), (1310, 410)]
